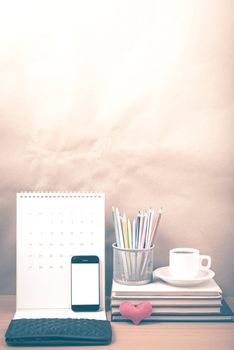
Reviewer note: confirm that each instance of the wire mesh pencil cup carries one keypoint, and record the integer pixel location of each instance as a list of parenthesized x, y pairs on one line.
[(132, 266)]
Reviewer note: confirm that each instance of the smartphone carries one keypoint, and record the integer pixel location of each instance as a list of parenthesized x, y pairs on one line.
[(85, 284)]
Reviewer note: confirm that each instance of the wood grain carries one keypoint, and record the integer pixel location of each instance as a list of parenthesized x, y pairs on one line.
[(161, 335)]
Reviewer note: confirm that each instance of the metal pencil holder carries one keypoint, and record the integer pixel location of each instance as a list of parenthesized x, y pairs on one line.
[(132, 266)]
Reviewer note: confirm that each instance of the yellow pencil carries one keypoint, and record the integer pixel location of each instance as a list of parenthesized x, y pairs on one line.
[(125, 231), (129, 234)]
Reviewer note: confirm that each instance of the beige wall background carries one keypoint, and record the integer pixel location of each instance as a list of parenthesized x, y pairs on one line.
[(132, 98)]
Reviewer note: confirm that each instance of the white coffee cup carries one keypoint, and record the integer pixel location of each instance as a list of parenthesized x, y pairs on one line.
[(185, 263)]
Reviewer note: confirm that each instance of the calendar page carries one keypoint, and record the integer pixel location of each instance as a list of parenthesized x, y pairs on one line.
[(51, 228)]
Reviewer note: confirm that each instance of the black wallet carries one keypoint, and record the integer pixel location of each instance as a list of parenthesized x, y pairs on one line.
[(58, 331)]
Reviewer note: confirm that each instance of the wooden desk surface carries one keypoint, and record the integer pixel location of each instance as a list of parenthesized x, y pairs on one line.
[(166, 336)]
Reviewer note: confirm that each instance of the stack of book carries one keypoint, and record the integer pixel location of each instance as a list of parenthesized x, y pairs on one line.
[(202, 302)]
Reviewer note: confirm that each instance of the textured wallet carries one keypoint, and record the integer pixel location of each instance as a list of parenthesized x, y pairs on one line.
[(55, 331)]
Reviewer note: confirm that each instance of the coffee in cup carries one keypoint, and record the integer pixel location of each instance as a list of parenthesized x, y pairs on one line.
[(185, 263)]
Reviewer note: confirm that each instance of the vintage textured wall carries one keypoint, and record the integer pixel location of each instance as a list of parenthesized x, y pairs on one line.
[(133, 98)]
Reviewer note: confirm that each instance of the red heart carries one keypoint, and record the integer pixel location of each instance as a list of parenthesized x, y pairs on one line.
[(135, 313)]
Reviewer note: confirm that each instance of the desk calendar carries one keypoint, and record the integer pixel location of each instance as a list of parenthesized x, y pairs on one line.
[(51, 228)]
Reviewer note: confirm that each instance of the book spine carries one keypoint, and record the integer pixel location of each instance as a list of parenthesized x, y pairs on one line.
[(179, 319), (177, 311), (170, 302)]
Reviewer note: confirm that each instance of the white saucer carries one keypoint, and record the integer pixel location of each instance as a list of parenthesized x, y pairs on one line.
[(165, 274)]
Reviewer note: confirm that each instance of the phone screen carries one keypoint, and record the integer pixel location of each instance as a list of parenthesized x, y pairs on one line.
[(85, 283)]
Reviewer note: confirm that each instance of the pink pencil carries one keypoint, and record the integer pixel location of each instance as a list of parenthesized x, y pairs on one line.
[(156, 227)]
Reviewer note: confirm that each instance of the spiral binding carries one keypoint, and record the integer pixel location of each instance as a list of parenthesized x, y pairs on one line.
[(45, 194)]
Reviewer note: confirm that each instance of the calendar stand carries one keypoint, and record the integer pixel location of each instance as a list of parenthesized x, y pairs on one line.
[(51, 228)]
